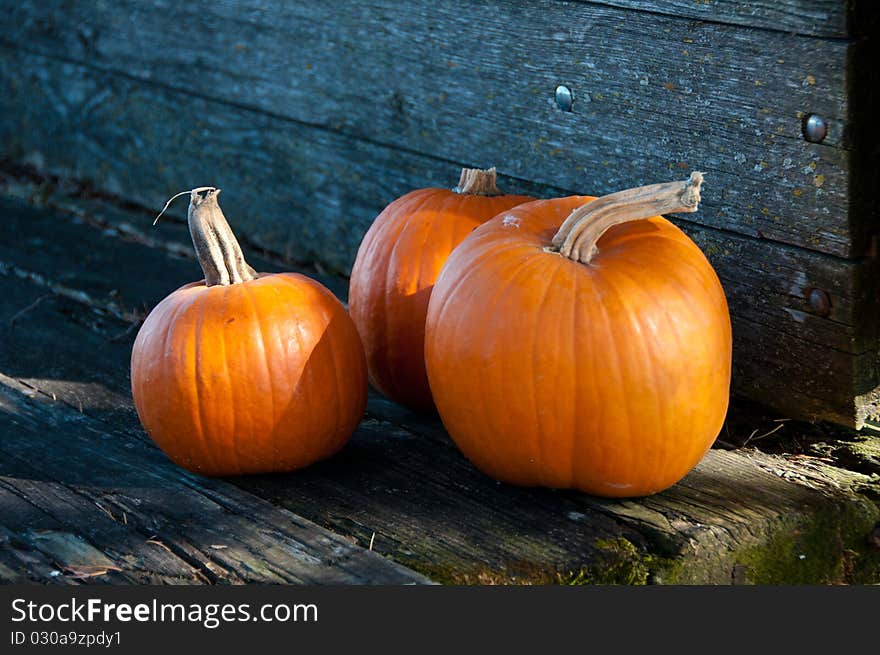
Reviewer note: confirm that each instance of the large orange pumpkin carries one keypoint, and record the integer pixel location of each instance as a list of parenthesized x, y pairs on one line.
[(396, 266), (595, 355), (246, 372)]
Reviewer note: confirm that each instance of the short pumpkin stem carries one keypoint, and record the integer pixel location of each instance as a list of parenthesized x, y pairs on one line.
[(578, 235), (478, 182), (216, 247)]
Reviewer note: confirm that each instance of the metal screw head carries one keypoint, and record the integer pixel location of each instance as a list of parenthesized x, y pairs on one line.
[(564, 98), (819, 302), (815, 128)]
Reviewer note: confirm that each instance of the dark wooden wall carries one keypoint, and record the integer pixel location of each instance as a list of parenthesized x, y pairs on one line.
[(313, 115)]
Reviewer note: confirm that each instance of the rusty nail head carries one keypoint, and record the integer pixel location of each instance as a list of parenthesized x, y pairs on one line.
[(815, 128), (819, 302), (564, 98)]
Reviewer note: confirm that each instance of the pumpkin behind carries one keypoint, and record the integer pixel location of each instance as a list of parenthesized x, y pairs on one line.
[(397, 264)]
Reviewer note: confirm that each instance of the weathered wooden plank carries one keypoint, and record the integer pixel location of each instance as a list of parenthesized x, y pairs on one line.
[(21, 563), (337, 180), (402, 485), (116, 496), (52, 248), (775, 279), (653, 93), (443, 514), (808, 365), (75, 550), (832, 387), (830, 18)]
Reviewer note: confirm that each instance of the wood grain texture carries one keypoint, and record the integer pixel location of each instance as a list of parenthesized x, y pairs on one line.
[(399, 483), (91, 498), (654, 94), (831, 18)]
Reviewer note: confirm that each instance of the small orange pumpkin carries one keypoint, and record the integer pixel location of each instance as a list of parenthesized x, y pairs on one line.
[(595, 355), (246, 372), (395, 268)]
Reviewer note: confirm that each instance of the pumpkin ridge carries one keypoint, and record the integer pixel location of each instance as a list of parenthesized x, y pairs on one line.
[(229, 391), (492, 434), (687, 296), (177, 313), (533, 446), (391, 224), (648, 362), (585, 337), (452, 236), (292, 282), (535, 351), (199, 415), (287, 280), (259, 341), (409, 225), (722, 306), (421, 248), (612, 336), (139, 360), (577, 381), (680, 284), (438, 304), (390, 371), (335, 368)]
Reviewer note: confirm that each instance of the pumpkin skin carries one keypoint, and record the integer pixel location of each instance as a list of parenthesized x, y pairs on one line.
[(260, 376), (246, 372), (611, 378), (395, 269)]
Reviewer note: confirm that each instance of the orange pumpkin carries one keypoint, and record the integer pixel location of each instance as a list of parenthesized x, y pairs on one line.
[(594, 356), (246, 372), (396, 266)]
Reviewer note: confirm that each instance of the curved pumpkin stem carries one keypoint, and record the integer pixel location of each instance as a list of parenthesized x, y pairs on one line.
[(216, 247), (578, 235), (478, 182)]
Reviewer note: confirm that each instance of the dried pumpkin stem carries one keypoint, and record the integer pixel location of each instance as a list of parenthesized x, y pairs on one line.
[(478, 182), (216, 247), (578, 235)]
